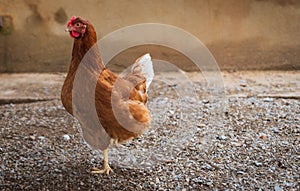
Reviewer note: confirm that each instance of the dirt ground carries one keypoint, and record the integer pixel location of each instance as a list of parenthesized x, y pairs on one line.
[(243, 138)]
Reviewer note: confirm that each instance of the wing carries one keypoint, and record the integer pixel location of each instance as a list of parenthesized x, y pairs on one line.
[(120, 105)]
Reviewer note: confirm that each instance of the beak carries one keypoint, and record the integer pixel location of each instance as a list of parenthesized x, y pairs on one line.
[(68, 29)]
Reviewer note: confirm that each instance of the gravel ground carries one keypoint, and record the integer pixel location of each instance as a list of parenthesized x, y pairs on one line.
[(256, 148)]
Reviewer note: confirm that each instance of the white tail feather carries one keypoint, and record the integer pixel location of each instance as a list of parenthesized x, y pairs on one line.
[(144, 62)]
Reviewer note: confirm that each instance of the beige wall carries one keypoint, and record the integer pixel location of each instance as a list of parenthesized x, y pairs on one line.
[(241, 34)]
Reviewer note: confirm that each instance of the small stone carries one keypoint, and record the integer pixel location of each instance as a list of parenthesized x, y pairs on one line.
[(210, 183), (205, 101), (268, 99), (146, 185), (243, 83), (277, 187), (275, 130), (31, 137), (66, 137), (45, 168), (23, 118), (252, 100), (6, 114), (201, 125), (206, 166), (256, 163), (41, 138), (157, 181), (287, 183), (57, 170), (222, 137), (171, 112), (237, 144), (273, 168), (263, 137)]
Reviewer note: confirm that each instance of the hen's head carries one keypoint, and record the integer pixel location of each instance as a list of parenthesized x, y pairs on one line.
[(77, 27)]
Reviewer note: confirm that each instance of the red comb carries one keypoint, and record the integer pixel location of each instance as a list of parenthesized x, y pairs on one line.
[(71, 20)]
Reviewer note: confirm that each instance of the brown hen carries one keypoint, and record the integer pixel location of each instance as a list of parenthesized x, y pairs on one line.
[(109, 108)]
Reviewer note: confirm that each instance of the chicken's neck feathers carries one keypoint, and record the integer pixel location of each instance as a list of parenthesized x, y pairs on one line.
[(86, 49)]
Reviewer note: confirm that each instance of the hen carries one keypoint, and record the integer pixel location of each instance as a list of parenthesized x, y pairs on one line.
[(110, 108)]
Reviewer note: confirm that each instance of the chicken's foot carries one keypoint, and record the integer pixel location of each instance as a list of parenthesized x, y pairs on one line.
[(114, 142), (106, 168)]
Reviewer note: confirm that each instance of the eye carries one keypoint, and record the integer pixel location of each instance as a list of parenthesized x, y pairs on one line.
[(77, 24)]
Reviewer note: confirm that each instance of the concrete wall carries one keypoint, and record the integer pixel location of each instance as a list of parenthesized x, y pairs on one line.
[(245, 34)]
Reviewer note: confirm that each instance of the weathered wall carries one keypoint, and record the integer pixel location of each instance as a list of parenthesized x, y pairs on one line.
[(248, 34)]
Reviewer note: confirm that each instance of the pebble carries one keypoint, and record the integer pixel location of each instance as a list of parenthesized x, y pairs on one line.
[(263, 137), (209, 183), (32, 138), (157, 181), (237, 144), (45, 168), (201, 125), (275, 130), (256, 163), (171, 112), (273, 168), (277, 187), (222, 137), (205, 101), (243, 83), (23, 118), (66, 137), (268, 99), (152, 183), (57, 170), (41, 138)]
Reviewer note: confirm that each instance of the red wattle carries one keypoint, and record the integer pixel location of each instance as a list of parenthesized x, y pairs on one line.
[(74, 34)]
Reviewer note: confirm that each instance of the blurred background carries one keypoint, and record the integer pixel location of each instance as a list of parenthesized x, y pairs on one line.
[(242, 35)]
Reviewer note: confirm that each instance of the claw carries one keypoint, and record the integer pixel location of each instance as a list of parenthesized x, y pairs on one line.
[(106, 170), (114, 142), (117, 142)]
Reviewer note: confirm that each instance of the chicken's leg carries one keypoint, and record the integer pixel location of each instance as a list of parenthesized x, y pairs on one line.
[(106, 169), (114, 142)]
